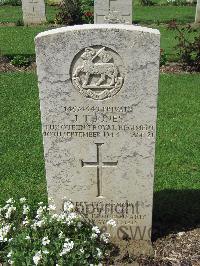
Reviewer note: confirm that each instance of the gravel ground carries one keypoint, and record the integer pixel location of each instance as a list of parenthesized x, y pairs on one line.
[(181, 249)]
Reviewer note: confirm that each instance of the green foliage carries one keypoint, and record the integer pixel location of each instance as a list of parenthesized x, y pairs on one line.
[(19, 22), (188, 49), (146, 2), (21, 61), (42, 237), (71, 13), (87, 5), (75, 12), (177, 2), (11, 2), (163, 57), (88, 15)]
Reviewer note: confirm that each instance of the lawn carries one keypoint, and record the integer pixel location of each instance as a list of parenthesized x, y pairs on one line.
[(163, 14), (20, 39), (12, 14), (16, 37), (177, 182), (22, 167), (142, 15)]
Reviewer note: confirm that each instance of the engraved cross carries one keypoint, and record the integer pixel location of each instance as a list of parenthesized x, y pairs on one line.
[(33, 2), (99, 165), (114, 2)]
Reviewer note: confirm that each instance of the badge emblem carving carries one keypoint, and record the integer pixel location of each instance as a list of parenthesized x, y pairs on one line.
[(114, 17), (97, 72)]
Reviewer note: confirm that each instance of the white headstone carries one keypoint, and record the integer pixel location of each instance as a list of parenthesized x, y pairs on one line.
[(98, 93), (33, 11), (197, 17), (113, 11)]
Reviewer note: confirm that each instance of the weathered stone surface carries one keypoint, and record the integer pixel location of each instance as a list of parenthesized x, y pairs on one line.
[(197, 17), (113, 11), (98, 92), (33, 11)]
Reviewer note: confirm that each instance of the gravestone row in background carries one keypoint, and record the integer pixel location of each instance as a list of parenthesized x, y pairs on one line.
[(197, 17), (98, 95), (113, 11), (105, 11), (33, 11)]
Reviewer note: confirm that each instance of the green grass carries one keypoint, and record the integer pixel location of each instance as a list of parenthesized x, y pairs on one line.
[(141, 14), (12, 39), (21, 158), (20, 40), (177, 181), (163, 14), (11, 14), (178, 153)]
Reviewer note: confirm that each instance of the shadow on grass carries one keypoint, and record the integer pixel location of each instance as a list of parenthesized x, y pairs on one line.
[(175, 211)]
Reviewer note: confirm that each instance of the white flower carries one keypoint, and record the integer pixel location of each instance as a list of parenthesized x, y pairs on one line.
[(112, 223), (40, 203), (68, 245), (26, 221), (68, 206), (45, 251), (37, 257), (52, 207), (26, 209), (60, 235), (22, 200), (38, 224), (40, 211), (82, 250), (71, 217), (11, 262), (4, 232), (10, 201), (105, 237), (9, 254), (96, 229), (10, 210), (61, 217), (45, 241), (79, 224), (94, 236), (6, 207), (55, 216), (99, 253), (27, 238)]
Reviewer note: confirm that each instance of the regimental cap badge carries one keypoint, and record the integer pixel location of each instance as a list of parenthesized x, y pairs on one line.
[(97, 72)]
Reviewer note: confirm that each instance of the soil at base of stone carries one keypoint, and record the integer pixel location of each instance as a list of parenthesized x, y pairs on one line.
[(180, 249)]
